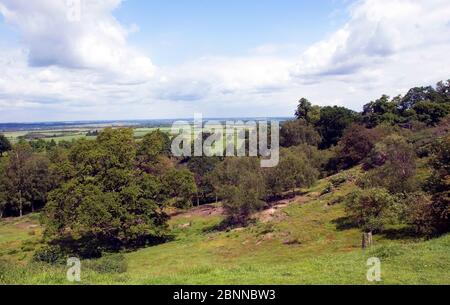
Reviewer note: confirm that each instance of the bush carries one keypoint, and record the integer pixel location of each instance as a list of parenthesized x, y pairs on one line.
[(50, 254)]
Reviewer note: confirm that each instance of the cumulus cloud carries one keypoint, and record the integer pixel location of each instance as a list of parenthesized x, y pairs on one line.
[(88, 70), (378, 30), (58, 33)]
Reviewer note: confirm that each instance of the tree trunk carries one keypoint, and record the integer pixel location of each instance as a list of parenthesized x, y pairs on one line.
[(367, 240), (32, 207), (20, 204)]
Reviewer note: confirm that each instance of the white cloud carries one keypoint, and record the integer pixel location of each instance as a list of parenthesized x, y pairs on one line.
[(88, 70), (97, 41)]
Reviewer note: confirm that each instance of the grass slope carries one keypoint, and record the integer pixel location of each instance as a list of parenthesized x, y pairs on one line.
[(302, 243)]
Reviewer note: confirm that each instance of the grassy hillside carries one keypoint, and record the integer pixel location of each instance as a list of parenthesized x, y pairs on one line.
[(302, 241)]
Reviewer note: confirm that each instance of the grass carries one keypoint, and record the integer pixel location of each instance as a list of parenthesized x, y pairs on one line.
[(303, 245)]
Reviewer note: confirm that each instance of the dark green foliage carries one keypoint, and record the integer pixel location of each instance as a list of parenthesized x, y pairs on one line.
[(5, 145), (201, 167), (152, 147), (306, 112), (372, 209), (240, 183), (50, 254), (439, 187), (181, 187), (381, 111), (333, 122), (355, 145), (294, 171), (294, 133), (25, 180), (104, 201), (394, 165)]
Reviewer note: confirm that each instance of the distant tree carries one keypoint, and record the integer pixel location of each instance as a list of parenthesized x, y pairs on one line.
[(431, 113), (372, 209), (333, 121), (418, 94), (294, 133), (5, 145), (307, 112), (381, 111), (355, 145), (443, 88)]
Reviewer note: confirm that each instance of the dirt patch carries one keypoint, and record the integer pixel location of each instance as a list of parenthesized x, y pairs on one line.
[(203, 211)]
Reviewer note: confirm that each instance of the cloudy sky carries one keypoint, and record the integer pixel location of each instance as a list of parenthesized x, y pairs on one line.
[(136, 59)]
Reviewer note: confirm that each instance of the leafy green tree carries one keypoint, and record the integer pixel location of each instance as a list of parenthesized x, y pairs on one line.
[(5, 145), (104, 202), (294, 171), (201, 167), (372, 209), (152, 147), (431, 113), (307, 112), (294, 133), (381, 111), (395, 166), (180, 184), (240, 183), (439, 187), (333, 121)]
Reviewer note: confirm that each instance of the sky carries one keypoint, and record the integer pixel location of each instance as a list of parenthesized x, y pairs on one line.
[(133, 59)]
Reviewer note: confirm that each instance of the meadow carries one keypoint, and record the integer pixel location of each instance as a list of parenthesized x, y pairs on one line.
[(298, 241)]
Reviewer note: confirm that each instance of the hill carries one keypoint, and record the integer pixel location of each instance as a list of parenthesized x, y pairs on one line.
[(300, 241)]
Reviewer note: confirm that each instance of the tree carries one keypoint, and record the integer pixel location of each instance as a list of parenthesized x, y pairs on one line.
[(333, 121), (431, 113), (294, 171), (240, 183), (439, 187), (294, 133), (307, 112), (371, 209), (104, 202), (153, 147), (180, 184), (18, 176), (394, 165), (201, 167), (5, 145), (355, 145), (381, 111)]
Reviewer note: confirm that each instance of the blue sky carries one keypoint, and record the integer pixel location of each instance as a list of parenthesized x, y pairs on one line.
[(136, 59), (179, 30)]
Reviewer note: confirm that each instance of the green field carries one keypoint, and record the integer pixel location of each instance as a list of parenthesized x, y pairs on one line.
[(69, 135), (298, 242)]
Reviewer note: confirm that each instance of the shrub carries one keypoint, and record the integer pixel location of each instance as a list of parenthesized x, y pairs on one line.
[(338, 180), (50, 254), (372, 209)]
